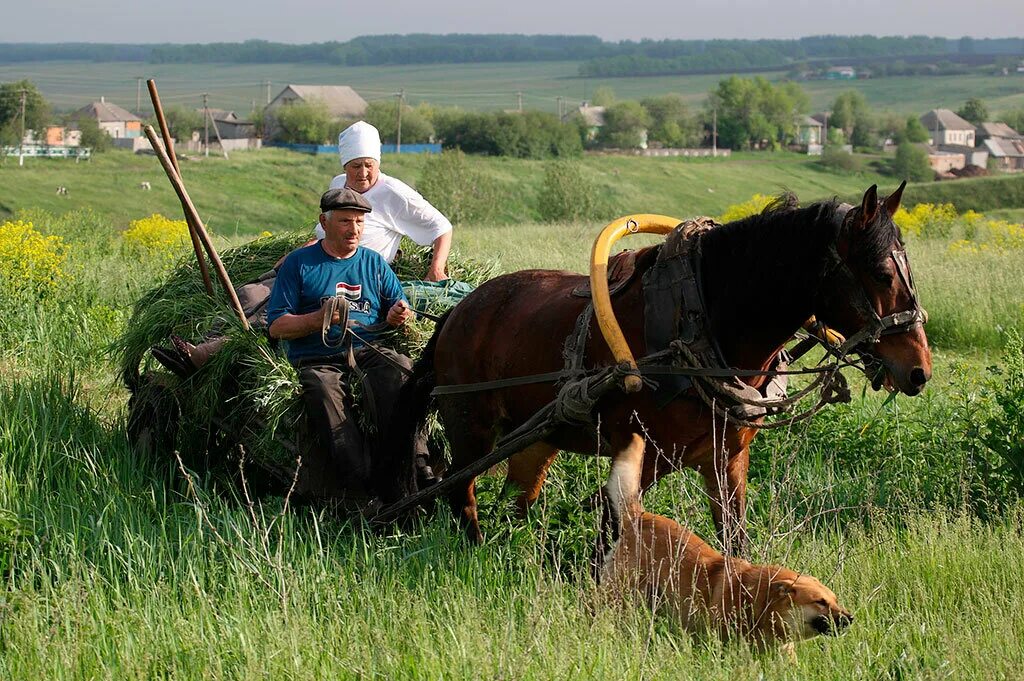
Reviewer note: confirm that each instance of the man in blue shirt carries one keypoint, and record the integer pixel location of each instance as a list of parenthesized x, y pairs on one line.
[(353, 285)]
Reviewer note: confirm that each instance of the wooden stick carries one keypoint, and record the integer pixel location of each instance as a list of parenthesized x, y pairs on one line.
[(169, 146), (190, 212)]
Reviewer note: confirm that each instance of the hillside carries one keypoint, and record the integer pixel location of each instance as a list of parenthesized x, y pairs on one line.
[(274, 189)]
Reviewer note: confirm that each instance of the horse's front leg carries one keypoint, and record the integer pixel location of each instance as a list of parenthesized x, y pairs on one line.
[(527, 471), (726, 480)]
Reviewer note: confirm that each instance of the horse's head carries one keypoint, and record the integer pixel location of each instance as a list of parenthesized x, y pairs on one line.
[(869, 296)]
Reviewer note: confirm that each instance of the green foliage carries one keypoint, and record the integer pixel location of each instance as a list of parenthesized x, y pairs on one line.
[(915, 132), (974, 111), (530, 134), (568, 195), (851, 113), (603, 96), (1004, 430), (752, 112), (836, 158), (93, 136), (672, 125), (1014, 119), (303, 123), (383, 115), (625, 126), (182, 121), (457, 190), (911, 163), (37, 111)]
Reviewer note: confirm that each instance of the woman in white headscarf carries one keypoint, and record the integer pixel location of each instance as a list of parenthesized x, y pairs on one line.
[(398, 209)]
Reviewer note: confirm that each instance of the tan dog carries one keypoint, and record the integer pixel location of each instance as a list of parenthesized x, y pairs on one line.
[(673, 567)]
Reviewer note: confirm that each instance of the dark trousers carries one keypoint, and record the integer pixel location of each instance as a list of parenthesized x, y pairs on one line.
[(327, 393)]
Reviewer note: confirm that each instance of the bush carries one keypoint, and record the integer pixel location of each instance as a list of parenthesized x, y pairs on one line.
[(158, 237), (1004, 430), (29, 261), (754, 205), (911, 163), (92, 136), (303, 123), (457, 191), (531, 134), (934, 221), (567, 195), (835, 158), (383, 115)]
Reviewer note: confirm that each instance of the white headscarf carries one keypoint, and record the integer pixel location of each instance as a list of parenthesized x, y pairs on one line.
[(359, 140)]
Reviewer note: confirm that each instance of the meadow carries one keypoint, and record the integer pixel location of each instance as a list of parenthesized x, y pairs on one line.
[(241, 87), (277, 190), (119, 565)]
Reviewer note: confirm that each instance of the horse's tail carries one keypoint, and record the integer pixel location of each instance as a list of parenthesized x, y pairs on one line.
[(395, 467)]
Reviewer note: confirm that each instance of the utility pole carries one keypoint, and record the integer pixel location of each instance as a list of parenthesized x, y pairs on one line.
[(714, 132), (519, 98), (267, 83), (824, 142), (21, 140), (206, 124), (138, 95), (559, 100), (398, 138)]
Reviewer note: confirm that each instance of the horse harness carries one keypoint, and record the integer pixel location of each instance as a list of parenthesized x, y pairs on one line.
[(676, 328)]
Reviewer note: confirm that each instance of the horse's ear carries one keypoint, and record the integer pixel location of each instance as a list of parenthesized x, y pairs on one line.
[(868, 207), (892, 204)]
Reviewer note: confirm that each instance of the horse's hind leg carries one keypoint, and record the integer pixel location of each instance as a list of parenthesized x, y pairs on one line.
[(527, 470)]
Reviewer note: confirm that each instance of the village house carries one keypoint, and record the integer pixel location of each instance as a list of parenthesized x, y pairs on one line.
[(810, 133), (1004, 144), (592, 117), (341, 100), (951, 138), (117, 122)]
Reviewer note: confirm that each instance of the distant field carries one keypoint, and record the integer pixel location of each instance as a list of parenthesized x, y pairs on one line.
[(274, 189), (69, 85)]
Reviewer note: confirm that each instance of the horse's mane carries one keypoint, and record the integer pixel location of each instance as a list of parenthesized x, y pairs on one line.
[(784, 228)]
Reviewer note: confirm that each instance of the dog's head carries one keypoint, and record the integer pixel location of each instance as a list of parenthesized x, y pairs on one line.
[(798, 607)]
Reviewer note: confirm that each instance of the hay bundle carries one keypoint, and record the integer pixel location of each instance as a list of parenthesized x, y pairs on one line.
[(248, 392)]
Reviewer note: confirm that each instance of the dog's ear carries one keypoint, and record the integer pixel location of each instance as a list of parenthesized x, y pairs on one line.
[(780, 589)]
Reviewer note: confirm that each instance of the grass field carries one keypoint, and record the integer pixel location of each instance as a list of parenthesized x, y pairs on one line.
[(274, 189), (70, 85), (115, 565)]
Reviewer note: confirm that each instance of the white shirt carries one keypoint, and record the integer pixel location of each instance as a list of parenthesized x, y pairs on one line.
[(398, 210)]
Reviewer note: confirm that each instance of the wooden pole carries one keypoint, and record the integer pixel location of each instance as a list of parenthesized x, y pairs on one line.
[(204, 270), (191, 213)]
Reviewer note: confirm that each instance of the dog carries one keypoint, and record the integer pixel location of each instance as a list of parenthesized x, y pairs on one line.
[(674, 568)]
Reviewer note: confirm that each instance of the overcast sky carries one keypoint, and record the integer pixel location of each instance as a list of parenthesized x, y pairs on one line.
[(303, 21)]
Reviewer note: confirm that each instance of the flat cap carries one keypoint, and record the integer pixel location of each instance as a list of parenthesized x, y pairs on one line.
[(343, 197)]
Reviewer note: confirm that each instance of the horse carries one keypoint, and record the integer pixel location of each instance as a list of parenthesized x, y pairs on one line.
[(762, 277)]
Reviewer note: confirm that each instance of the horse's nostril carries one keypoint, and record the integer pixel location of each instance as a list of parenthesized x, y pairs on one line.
[(918, 377)]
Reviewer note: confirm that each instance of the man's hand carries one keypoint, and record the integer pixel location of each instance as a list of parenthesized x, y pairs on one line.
[(400, 313)]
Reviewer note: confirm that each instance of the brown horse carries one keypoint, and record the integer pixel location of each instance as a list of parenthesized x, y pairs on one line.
[(762, 277)]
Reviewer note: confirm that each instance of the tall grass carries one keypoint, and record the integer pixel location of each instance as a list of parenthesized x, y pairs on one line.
[(116, 564)]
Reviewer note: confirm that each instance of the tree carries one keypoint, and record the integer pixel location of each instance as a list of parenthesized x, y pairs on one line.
[(974, 111), (303, 123), (671, 122), (181, 121), (603, 96), (37, 111), (911, 163), (915, 131), (1014, 119), (93, 136), (624, 126), (851, 113), (383, 115), (753, 111)]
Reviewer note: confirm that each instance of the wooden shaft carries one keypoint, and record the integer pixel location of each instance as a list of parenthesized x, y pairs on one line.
[(190, 212), (193, 234)]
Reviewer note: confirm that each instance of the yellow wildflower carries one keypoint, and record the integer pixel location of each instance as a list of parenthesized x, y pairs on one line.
[(754, 205), (158, 236), (30, 261)]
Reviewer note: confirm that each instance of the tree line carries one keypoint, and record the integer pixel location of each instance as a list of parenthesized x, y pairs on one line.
[(601, 58)]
